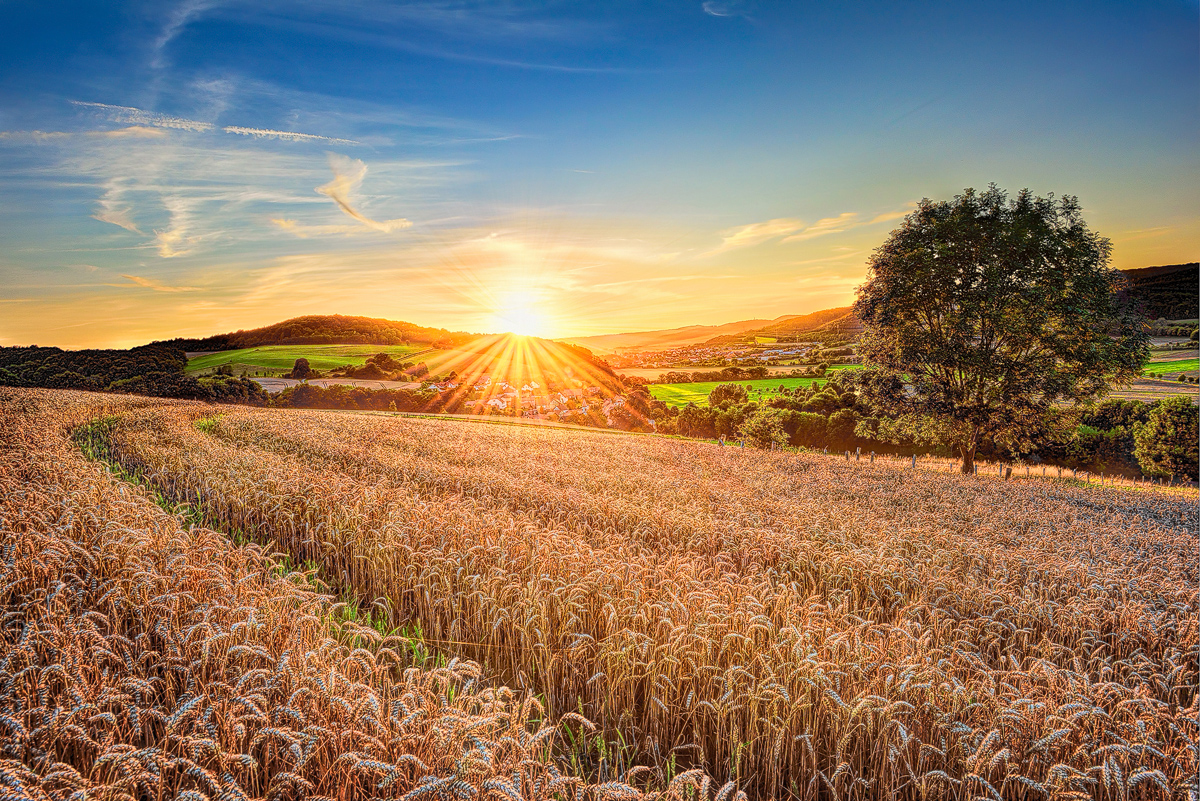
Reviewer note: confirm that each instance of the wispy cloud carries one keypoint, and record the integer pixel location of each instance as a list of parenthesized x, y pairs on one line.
[(154, 284), (1146, 233), (177, 20), (132, 132), (888, 216), (112, 207), (348, 175), (454, 31), (305, 231), (789, 229), (136, 116), (725, 8), (756, 233), (825, 226), (176, 240), (144, 124), (288, 136)]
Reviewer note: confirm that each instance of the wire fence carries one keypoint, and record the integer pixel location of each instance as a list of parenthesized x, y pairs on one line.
[(1003, 471)]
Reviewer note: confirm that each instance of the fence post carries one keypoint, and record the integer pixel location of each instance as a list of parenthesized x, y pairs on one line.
[(872, 457), (914, 462), (847, 456), (1007, 473), (858, 454), (976, 466)]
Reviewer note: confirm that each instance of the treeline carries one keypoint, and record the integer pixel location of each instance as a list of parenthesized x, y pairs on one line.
[(326, 329), (1170, 328), (158, 371), (724, 374), (1125, 437), (155, 370), (86, 369)]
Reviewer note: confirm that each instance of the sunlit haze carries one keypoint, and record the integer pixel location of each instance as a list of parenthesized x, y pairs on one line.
[(522, 314), (564, 169)]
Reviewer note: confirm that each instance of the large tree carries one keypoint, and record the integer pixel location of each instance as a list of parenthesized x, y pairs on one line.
[(982, 313)]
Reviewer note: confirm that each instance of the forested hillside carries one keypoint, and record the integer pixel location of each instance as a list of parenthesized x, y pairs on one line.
[(819, 326), (1170, 291), (323, 329)]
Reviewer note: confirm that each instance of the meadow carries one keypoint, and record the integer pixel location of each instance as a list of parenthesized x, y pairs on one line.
[(273, 359), (1172, 367), (447, 603), (697, 392)]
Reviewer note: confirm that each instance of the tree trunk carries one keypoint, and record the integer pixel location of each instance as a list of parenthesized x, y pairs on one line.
[(967, 450)]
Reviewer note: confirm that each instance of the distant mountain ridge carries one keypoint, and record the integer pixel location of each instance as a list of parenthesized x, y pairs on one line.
[(665, 338), (827, 324), (1170, 291)]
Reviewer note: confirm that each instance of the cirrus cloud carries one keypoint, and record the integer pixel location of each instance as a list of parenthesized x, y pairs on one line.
[(348, 175)]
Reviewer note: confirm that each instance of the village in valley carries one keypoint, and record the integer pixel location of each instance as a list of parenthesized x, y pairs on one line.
[(532, 400)]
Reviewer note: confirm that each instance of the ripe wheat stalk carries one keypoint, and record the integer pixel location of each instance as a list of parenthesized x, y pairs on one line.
[(788, 625)]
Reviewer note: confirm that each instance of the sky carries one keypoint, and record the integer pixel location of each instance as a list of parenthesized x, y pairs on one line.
[(558, 168)]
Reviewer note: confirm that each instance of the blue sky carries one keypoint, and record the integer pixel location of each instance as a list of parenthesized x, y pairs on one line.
[(194, 167)]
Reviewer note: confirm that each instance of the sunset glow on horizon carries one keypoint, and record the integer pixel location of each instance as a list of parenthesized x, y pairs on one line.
[(184, 169)]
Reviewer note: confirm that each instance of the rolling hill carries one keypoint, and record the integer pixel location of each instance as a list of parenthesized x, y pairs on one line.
[(326, 329), (824, 325), (1169, 291), (666, 338)]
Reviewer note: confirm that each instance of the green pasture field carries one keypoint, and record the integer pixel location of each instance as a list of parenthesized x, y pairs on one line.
[(1172, 367), (281, 358), (697, 393)]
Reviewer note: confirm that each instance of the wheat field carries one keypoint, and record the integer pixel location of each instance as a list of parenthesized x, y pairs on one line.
[(470, 596)]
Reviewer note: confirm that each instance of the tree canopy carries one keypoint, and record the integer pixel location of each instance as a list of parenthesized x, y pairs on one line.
[(983, 312), (1166, 444), (733, 393)]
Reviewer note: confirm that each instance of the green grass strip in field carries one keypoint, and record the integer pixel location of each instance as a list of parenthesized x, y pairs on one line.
[(1173, 367), (697, 392)]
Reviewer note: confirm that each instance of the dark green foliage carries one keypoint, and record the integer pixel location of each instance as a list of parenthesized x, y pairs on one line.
[(1168, 291), (1166, 444), (1114, 413), (724, 374), (764, 429), (86, 369), (807, 430), (981, 314), (694, 421), (728, 393), (301, 369)]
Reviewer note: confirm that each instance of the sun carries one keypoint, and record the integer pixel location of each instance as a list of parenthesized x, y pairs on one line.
[(520, 315)]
